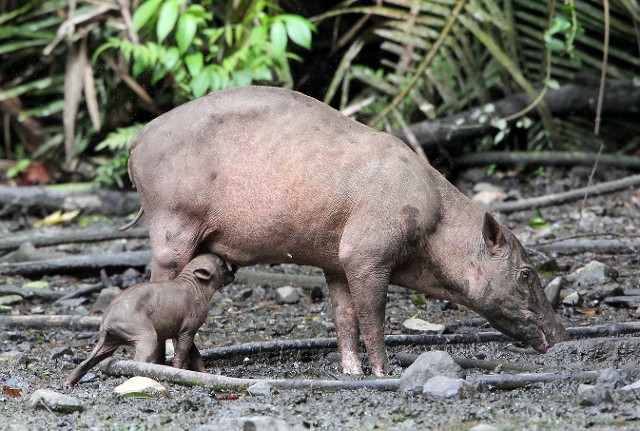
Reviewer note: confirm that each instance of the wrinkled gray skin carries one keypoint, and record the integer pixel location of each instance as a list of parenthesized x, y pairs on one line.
[(260, 174), (148, 314)]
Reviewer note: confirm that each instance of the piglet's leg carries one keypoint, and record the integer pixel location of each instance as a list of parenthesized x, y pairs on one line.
[(184, 343), (346, 323), (149, 349), (195, 360)]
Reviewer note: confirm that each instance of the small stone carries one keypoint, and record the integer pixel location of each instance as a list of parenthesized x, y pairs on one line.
[(552, 290), (10, 299), (572, 299), (54, 401), (484, 427), (104, 298), (419, 325), (592, 395), (260, 388), (287, 295), (591, 274), (72, 302), (427, 365), (130, 278), (60, 352), (254, 423), (443, 387)]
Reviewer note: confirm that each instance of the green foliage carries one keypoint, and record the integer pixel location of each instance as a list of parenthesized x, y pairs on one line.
[(111, 173), (202, 52), (119, 140), (537, 222)]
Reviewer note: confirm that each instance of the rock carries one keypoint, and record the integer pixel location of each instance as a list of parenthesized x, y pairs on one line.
[(60, 352), (130, 278), (484, 427), (141, 387), (443, 387), (593, 395), (260, 388), (598, 279), (253, 423), (10, 299), (427, 365), (632, 387), (611, 378), (572, 300), (552, 290), (419, 325), (104, 298), (54, 401), (14, 356), (322, 328), (287, 295), (487, 197), (243, 295)]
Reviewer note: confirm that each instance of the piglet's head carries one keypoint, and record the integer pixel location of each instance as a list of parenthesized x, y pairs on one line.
[(504, 287), (210, 269)]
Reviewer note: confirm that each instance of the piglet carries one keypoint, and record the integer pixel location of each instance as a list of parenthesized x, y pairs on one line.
[(148, 314)]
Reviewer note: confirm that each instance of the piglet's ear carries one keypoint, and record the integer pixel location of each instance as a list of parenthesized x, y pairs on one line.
[(492, 233), (202, 274)]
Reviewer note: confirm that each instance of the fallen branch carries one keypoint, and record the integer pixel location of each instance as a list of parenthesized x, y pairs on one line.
[(30, 293), (85, 197), (166, 373), (134, 259), (627, 300), (546, 158), (115, 367), (83, 291), (561, 198), (84, 235), (76, 323), (406, 359), (568, 99), (590, 245), (514, 381)]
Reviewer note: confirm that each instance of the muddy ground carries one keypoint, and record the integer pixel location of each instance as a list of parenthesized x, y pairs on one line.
[(243, 312)]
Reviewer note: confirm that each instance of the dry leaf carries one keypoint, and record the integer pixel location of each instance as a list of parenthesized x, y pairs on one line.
[(141, 387), (12, 392), (586, 312), (57, 218), (227, 397)]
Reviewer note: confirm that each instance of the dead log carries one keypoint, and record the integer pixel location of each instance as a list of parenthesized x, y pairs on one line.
[(83, 291), (30, 293), (547, 158), (627, 301), (573, 195), (81, 235), (569, 99), (85, 197), (115, 367)]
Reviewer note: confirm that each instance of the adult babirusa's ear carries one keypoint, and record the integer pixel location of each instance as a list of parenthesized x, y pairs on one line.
[(202, 274), (492, 233)]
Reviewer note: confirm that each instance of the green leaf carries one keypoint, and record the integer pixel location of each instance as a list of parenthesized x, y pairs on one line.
[(20, 166), (167, 19), (170, 58), (186, 31), (298, 29), (278, 37), (200, 85), (143, 14), (194, 63), (537, 222)]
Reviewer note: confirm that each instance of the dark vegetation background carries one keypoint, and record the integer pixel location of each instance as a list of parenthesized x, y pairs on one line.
[(78, 78)]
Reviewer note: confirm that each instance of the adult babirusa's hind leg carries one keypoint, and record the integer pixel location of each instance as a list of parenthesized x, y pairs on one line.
[(346, 319)]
